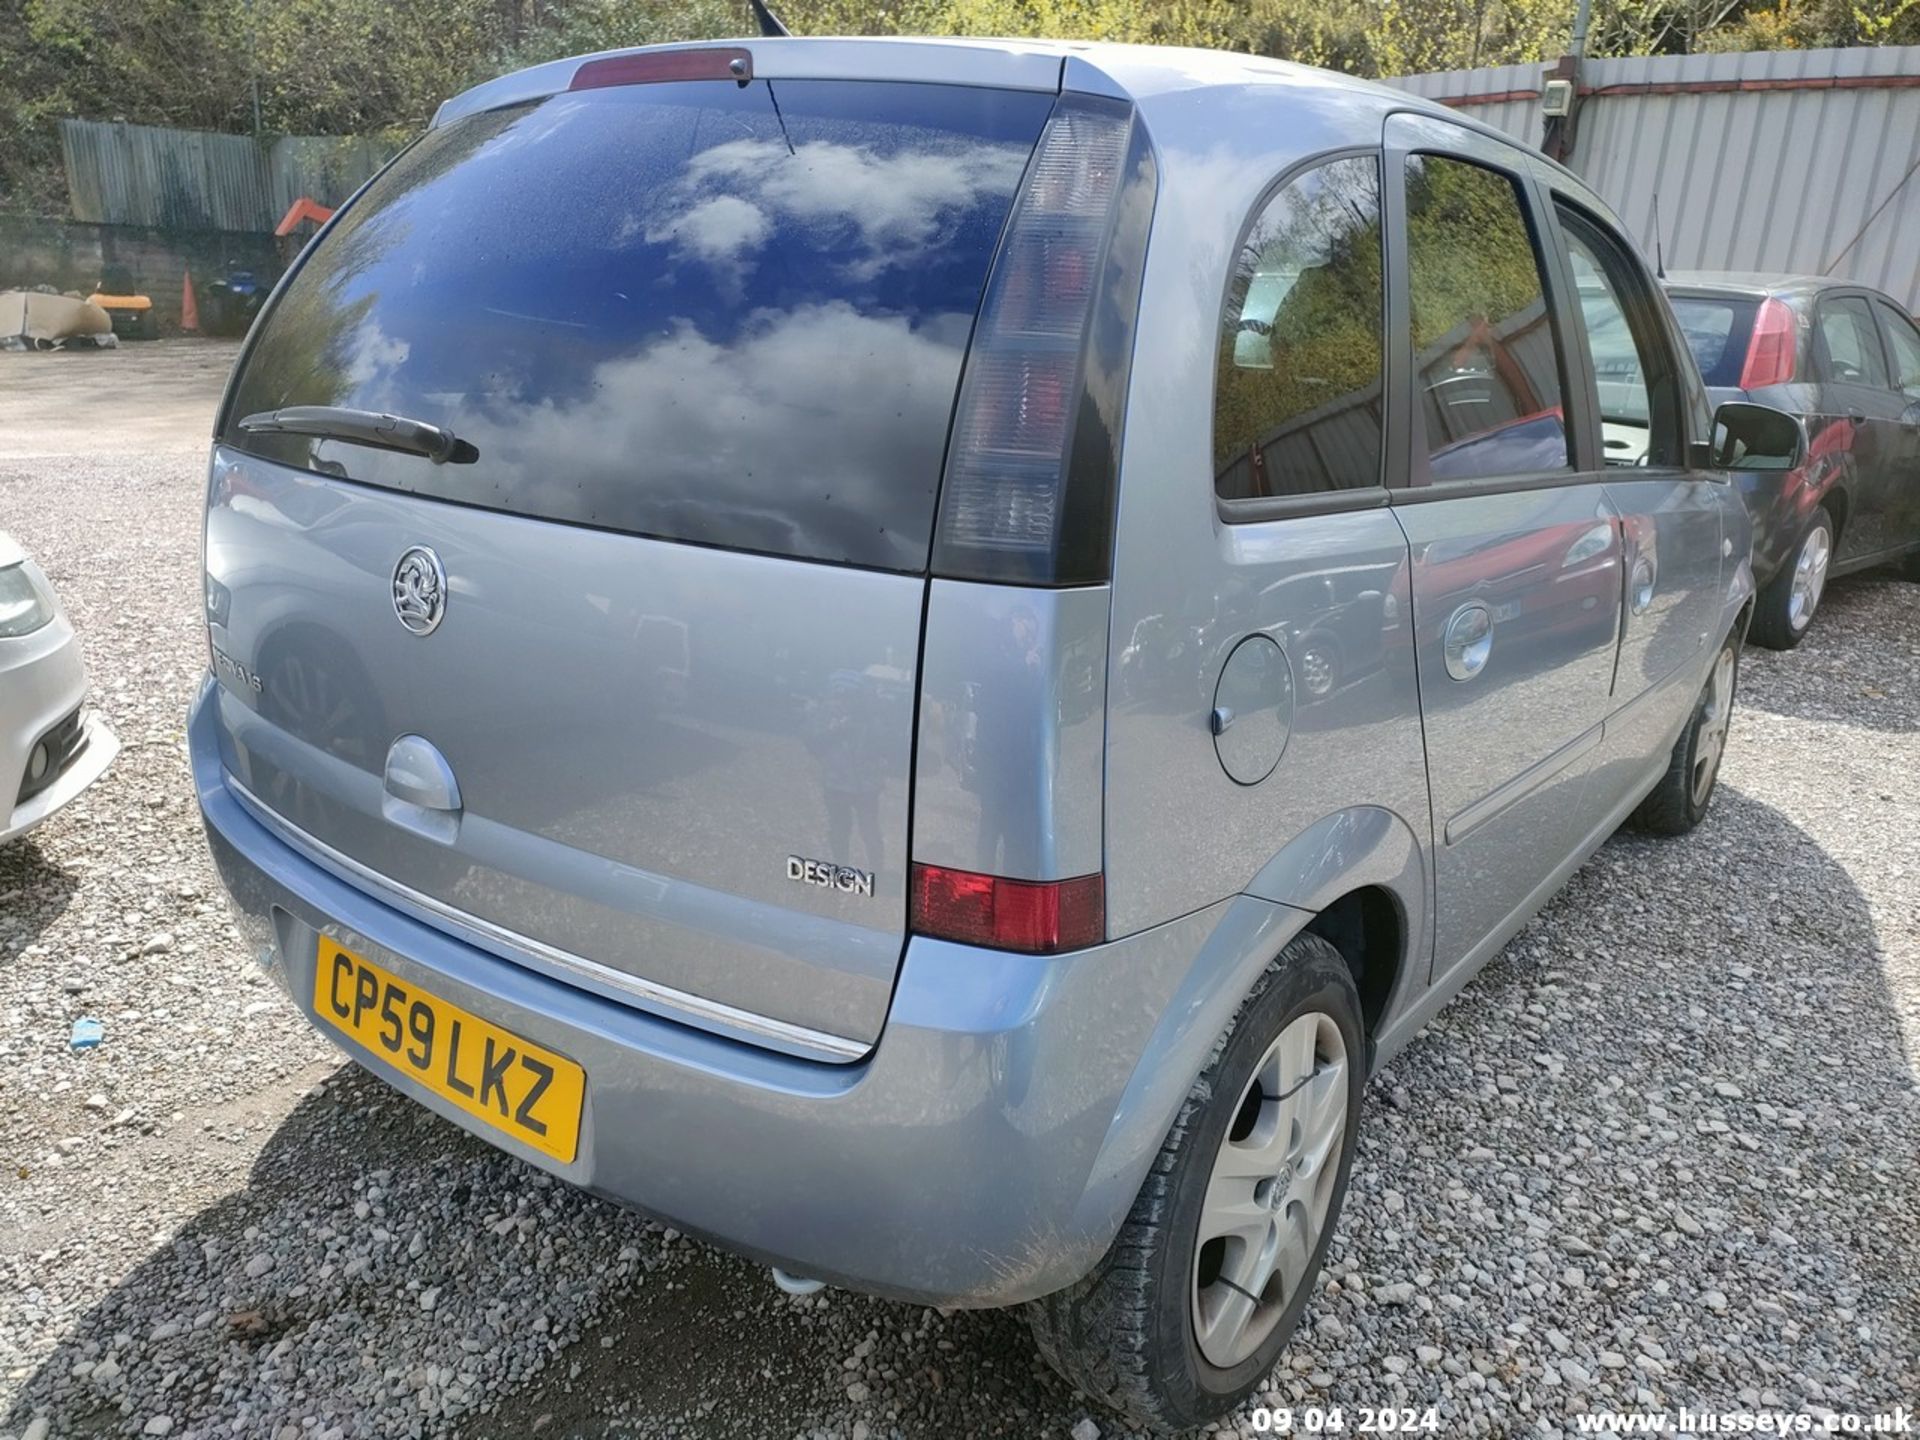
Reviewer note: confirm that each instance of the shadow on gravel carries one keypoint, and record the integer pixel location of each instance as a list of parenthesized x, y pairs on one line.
[(704, 1346), (34, 891), (1821, 680)]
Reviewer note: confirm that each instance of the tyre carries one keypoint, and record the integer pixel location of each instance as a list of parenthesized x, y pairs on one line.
[(1910, 567), (1679, 802), (1186, 1314), (1786, 607), (148, 327)]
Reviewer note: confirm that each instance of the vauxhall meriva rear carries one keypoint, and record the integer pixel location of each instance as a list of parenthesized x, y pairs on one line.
[(695, 702)]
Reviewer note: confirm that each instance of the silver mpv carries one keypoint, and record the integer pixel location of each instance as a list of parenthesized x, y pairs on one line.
[(918, 655)]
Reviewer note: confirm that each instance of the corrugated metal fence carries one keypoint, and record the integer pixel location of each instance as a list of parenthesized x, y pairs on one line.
[(1794, 160), (1805, 161), (199, 180)]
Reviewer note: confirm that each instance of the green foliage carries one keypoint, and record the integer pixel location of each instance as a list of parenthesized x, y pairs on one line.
[(1408, 37), (1470, 260), (1302, 332), (352, 66), (1810, 24), (321, 66), (587, 25)]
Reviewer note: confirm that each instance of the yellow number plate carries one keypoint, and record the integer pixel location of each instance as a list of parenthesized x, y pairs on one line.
[(494, 1075)]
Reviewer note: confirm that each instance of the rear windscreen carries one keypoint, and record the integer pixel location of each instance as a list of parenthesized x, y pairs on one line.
[(733, 315), (1717, 331)]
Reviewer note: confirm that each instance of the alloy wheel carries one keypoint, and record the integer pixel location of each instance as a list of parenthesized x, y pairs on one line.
[(1271, 1186), (1316, 671), (1715, 715), (1809, 577)]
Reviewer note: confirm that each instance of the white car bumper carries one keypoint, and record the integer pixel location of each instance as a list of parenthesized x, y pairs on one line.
[(42, 683), (88, 766)]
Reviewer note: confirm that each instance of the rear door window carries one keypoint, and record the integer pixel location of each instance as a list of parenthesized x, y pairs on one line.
[(1486, 364), (1847, 344), (1903, 343), (1635, 371), (1297, 390), (732, 315)]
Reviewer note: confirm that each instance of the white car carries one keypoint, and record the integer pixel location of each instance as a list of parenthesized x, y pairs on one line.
[(51, 747)]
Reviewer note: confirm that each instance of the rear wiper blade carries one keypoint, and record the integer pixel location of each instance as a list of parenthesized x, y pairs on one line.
[(365, 427)]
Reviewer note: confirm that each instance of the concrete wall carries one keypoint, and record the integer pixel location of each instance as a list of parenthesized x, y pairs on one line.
[(70, 255)]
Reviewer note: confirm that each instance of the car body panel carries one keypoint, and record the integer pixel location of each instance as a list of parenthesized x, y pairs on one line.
[(1012, 732), (985, 1138), (629, 829), (1187, 588), (984, 1153), (1504, 746), (43, 685), (1673, 527)]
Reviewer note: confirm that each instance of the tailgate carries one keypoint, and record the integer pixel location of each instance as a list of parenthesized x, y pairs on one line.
[(641, 735), (700, 344)]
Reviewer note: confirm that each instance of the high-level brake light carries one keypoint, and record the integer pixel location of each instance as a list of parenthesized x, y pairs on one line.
[(655, 67)]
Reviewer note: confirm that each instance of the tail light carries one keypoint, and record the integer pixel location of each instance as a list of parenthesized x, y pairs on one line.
[(1040, 917), (1770, 352), (1028, 494)]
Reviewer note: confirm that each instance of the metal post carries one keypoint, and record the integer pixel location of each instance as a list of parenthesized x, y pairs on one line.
[(252, 62), (1582, 13)]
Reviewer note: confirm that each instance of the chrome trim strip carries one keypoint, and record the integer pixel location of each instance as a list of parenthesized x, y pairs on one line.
[(669, 1003)]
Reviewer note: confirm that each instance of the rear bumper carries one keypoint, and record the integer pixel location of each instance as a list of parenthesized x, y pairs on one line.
[(984, 1153)]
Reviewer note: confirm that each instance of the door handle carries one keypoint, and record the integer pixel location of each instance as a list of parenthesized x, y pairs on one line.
[(1858, 419), (1467, 643)]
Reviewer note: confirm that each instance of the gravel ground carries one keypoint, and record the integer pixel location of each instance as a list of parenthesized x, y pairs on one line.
[(1661, 1153)]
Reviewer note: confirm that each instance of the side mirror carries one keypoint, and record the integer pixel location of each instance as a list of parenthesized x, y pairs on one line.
[(1756, 437)]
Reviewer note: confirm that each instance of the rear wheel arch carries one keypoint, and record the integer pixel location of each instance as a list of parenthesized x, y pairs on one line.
[(1355, 880), (1128, 1333), (1369, 928), (1838, 506), (1362, 873)]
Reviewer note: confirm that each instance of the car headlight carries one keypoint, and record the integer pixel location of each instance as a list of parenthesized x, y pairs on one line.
[(24, 606)]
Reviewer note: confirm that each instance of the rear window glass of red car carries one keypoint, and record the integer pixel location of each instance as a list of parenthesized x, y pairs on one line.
[(1717, 332), (733, 315)]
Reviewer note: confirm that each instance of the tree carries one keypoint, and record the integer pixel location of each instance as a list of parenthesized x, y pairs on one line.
[(354, 66)]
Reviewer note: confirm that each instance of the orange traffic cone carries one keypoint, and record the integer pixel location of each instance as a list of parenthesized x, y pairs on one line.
[(189, 307)]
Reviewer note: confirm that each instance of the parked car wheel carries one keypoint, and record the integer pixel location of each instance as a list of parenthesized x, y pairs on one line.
[(1679, 802), (1786, 607), (1188, 1311), (1319, 666)]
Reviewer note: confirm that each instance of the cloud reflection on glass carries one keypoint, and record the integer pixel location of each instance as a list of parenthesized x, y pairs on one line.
[(673, 309)]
